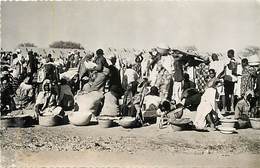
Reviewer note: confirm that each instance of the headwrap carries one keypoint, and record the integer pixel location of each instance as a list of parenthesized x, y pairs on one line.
[(248, 93)]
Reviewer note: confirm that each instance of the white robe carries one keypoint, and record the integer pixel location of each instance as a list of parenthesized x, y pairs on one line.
[(207, 104)]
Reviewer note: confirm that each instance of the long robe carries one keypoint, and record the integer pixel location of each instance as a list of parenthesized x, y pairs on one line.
[(207, 104)]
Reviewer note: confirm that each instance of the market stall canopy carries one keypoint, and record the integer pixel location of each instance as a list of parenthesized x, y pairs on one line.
[(192, 59)]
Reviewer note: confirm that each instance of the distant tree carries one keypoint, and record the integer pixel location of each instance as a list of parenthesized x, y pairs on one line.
[(26, 45), (66, 44)]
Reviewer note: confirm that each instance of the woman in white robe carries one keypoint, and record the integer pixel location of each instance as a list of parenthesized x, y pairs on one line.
[(206, 107)]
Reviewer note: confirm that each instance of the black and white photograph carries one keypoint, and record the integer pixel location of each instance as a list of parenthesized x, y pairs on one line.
[(130, 84)]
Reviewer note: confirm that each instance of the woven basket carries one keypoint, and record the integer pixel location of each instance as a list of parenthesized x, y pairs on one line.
[(49, 120), (105, 123), (80, 118)]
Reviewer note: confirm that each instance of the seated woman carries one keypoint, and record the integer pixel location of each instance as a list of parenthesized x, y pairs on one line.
[(24, 94), (242, 110), (207, 108), (66, 97), (152, 100), (151, 103), (46, 103)]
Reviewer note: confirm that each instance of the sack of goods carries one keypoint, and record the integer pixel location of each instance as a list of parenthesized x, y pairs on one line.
[(110, 107), (89, 103)]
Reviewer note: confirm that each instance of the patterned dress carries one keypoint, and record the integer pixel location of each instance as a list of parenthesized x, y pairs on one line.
[(162, 82), (247, 79), (202, 72)]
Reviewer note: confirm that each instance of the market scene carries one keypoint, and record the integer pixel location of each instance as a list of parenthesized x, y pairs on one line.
[(163, 99)]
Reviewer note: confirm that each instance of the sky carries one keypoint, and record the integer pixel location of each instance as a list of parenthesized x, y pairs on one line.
[(208, 25)]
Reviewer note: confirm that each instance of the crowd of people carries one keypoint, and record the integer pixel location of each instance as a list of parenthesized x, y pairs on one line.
[(160, 80)]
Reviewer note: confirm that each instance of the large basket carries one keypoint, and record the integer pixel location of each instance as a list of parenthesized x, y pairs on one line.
[(50, 120), (255, 123), (80, 118)]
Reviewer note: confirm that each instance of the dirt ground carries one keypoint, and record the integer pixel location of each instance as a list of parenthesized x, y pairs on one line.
[(93, 146)]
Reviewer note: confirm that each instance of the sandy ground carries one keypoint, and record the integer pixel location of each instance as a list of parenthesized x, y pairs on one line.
[(93, 146)]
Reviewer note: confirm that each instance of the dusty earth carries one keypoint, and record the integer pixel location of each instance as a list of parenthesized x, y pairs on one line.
[(93, 146)]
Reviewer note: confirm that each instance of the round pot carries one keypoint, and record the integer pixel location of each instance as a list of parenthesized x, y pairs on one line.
[(227, 130), (80, 118), (228, 123), (255, 123)]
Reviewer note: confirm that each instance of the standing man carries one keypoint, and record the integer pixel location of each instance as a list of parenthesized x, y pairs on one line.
[(178, 78), (216, 64), (218, 67), (230, 78), (115, 85)]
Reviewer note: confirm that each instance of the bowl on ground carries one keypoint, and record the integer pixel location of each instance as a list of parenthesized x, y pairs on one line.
[(105, 121), (255, 123), (226, 130), (79, 118), (228, 123)]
